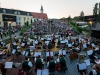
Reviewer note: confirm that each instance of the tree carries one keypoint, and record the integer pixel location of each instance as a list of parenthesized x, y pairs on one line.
[(64, 19), (27, 23), (99, 13), (95, 10), (24, 23), (31, 21), (76, 18), (69, 18), (81, 16)]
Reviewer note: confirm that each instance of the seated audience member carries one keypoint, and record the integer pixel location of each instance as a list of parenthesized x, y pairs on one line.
[(25, 42), (39, 62), (77, 49), (51, 65), (26, 64), (81, 70), (2, 67), (1, 43), (84, 45), (97, 69), (32, 47), (16, 39), (93, 45), (93, 72), (92, 56), (73, 49), (44, 46), (49, 45), (62, 61), (96, 49)]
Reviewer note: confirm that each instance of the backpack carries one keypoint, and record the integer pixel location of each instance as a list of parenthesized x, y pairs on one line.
[(58, 67), (20, 72)]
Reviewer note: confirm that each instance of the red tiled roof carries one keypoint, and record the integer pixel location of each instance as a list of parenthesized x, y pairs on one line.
[(40, 15)]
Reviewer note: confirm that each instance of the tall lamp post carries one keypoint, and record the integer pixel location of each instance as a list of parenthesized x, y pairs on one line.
[(90, 24), (9, 28)]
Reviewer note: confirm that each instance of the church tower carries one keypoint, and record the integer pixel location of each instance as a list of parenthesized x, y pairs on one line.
[(41, 10)]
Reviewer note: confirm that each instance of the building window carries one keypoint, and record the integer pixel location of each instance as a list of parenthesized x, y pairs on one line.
[(28, 18), (28, 14), (17, 23), (19, 13), (4, 11), (19, 18), (24, 18), (15, 12)]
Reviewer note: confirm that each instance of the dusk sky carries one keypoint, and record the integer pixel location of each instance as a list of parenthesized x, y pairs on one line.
[(53, 8)]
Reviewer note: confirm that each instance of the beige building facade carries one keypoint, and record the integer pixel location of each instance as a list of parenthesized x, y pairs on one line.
[(14, 17)]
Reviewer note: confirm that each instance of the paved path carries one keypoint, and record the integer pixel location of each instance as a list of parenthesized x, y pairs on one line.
[(15, 34)]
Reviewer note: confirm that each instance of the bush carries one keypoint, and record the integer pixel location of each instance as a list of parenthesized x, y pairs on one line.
[(25, 28), (78, 29), (7, 41), (31, 37)]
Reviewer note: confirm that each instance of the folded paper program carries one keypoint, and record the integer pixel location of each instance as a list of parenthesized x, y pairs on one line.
[(23, 52), (26, 54), (82, 66), (69, 45), (42, 38), (37, 54), (62, 41), (39, 72), (49, 39), (62, 52), (13, 51), (87, 61), (43, 72), (8, 64), (89, 52), (23, 44), (49, 54)]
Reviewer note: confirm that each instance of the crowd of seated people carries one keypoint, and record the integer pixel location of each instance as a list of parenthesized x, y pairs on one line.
[(72, 47)]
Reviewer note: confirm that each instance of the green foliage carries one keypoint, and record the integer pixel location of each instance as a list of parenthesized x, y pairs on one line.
[(95, 10), (77, 28), (99, 18), (24, 23), (25, 28), (77, 18), (31, 21), (81, 16), (31, 37), (69, 18), (27, 23), (7, 41)]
